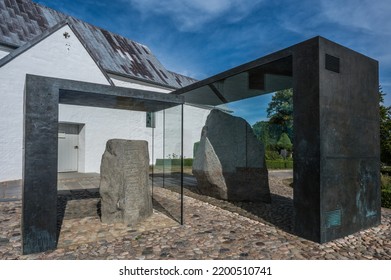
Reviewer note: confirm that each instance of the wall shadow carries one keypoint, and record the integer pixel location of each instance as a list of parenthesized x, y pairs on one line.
[(159, 207), (84, 209), (279, 212)]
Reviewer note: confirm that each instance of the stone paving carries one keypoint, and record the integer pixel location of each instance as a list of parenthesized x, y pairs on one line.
[(213, 229)]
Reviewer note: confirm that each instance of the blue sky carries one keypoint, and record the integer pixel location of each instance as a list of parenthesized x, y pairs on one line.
[(200, 38)]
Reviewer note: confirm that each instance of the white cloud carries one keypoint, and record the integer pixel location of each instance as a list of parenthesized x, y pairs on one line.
[(192, 15), (362, 25), (368, 15), (368, 25)]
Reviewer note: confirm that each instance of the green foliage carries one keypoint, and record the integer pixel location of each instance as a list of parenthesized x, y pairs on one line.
[(174, 162), (188, 162), (385, 129), (268, 134), (261, 130), (280, 110), (385, 190), (385, 182), (385, 169), (284, 142), (386, 198), (272, 155), (279, 164)]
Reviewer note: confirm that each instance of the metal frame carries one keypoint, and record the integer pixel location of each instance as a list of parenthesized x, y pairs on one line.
[(41, 100), (336, 139), (337, 151)]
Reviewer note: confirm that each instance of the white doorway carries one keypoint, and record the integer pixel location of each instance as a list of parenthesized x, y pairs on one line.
[(68, 147)]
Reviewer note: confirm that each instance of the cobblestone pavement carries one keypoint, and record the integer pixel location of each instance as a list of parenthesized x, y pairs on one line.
[(213, 229)]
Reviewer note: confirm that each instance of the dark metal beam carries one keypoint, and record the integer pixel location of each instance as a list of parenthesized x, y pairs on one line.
[(237, 70), (41, 100), (217, 93)]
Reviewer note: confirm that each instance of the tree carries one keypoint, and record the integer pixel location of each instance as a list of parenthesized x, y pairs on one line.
[(261, 130), (284, 142), (280, 111), (385, 129)]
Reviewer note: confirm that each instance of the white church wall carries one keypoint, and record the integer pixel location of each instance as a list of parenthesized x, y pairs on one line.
[(130, 83), (60, 57), (193, 121), (102, 124), (55, 56)]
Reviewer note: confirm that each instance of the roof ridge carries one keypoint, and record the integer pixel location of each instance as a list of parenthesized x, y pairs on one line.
[(182, 75), (15, 53), (48, 8), (83, 21), (21, 49), (68, 16), (111, 51)]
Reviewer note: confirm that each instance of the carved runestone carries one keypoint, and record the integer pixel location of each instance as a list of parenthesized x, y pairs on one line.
[(230, 162), (124, 190)]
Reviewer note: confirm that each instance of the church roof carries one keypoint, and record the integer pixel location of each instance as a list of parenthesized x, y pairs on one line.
[(23, 20)]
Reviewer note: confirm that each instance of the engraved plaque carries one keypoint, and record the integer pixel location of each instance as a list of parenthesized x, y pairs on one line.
[(333, 218)]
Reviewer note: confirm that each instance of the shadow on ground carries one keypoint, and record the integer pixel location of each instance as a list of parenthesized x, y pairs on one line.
[(279, 213), (64, 212), (78, 204)]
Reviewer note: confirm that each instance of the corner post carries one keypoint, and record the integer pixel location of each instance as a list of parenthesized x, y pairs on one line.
[(40, 145), (337, 151)]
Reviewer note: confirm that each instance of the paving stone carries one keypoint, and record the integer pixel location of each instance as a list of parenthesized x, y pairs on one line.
[(213, 230)]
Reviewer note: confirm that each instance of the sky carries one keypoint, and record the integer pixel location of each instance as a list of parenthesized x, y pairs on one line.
[(200, 38)]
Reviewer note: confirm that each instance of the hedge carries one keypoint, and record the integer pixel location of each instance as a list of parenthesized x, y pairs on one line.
[(386, 169), (386, 198), (279, 164), (272, 155), (174, 162)]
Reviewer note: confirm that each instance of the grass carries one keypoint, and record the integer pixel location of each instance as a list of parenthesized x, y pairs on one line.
[(279, 164), (385, 182), (385, 190), (158, 169)]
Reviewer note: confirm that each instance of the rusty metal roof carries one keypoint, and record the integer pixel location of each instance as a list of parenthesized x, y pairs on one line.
[(23, 20)]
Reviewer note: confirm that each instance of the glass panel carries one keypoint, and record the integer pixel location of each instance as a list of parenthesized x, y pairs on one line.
[(274, 130), (263, 79), (203, 96), (167, 169), (157, 167), (87, 137)]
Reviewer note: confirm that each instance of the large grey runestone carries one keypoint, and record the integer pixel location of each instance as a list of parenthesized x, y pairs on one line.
[(124, 190), (230, 162)]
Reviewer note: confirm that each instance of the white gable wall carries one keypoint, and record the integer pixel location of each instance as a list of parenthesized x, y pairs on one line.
[(193, 121), (57, 57), (102, 124)]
